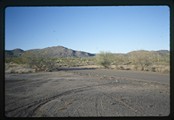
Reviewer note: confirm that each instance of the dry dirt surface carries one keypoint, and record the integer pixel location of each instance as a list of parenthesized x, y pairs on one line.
[(87, 92)]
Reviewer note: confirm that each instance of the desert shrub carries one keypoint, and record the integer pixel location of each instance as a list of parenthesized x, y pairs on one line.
[(42, 64), (104, 59), (121, 68), (118, 60)]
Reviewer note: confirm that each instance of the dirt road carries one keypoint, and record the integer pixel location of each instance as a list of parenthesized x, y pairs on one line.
[(87, 92)]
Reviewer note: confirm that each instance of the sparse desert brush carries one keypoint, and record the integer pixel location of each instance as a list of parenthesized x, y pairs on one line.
[(20, 70), (74, 61), (104, 59), (17, 68), (136, 60), (161, 68), (42, 64)]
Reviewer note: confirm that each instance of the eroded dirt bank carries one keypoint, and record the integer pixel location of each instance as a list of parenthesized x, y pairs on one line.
[(87, 92)]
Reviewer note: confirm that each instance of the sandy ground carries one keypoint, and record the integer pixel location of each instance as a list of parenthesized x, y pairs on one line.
[(87, 92)]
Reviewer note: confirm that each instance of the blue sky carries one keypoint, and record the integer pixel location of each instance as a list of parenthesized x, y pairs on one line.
[(91, 29)]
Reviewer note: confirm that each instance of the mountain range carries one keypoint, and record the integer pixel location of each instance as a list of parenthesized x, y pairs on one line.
[(60, 51), (50, 52)]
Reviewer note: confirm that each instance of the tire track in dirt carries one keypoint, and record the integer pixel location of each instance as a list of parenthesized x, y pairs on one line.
[(77, 109), (121, 78), (76, 90), (32, 108), (97, 110), (41, 102), (120, 100), (141, 81), (123, 103)]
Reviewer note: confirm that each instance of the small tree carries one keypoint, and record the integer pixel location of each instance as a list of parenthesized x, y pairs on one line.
[(104, 59), (143, 60)]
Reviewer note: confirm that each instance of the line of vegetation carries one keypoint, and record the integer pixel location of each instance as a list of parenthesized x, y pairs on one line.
[(146, 61)]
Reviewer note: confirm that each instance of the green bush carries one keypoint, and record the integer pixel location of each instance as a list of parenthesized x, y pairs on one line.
[(104, 59)]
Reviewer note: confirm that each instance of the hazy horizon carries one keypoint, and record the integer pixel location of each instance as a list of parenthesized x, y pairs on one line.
[(91, 29)]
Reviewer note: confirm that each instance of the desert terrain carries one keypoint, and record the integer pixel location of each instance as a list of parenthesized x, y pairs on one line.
[(85, 92)]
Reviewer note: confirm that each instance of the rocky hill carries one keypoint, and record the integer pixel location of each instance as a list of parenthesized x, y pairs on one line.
[(14, 53), (50, 52)]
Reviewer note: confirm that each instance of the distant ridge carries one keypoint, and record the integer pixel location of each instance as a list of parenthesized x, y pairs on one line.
[(50, 52), (61, 51), (159, 52), (163, 51), (14, 53)]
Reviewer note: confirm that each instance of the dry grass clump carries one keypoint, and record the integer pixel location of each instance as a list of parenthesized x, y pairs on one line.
[(18, 68), (160, 68)]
